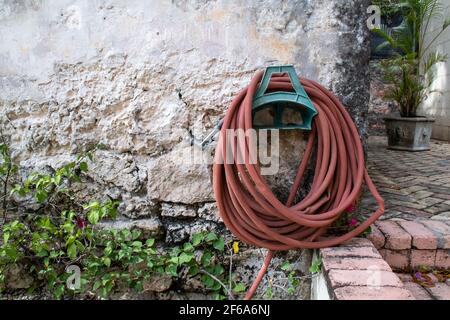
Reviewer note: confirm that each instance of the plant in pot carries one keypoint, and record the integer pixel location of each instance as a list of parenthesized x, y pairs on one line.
[(391, 18), (409, 73)]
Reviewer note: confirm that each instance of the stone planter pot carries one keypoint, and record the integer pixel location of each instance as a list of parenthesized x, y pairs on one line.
[(410, 134)]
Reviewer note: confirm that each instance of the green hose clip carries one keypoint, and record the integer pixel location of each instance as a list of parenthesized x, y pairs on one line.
[(279, 101)]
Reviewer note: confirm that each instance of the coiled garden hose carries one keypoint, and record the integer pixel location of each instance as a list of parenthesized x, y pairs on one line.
[(253, 213)]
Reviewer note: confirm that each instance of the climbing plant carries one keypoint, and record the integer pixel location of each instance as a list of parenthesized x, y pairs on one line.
[(60, 233), (410, 72)]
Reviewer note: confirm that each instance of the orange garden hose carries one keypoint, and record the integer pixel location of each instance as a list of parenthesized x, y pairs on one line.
[(252, 212)]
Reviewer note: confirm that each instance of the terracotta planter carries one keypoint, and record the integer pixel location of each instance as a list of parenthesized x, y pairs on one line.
[(410, 134)]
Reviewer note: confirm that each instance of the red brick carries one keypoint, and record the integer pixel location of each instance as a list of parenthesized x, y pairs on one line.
[(397, 259), (422, 238), (442, 230), (361, 252), (396, 237), (375, 278), (417, 291), (440, 291), (442, 259), (370, 293), (422, 258), (376, 237), (355, 263)]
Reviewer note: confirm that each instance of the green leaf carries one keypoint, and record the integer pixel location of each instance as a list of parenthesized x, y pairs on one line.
[(107, 262), (125, 234), (206, 258), (97, 285), (188, 247), (239, 287), (211, 237), (72, 251), (92, 205), (70, 240), (5, 237), (207, 281), (218, 296), (107, 251), (93, 216), (174, 260), (135, 234), (172, 269), (197, 238), (185, 258), (194, 270), (285, 266), (41, 196), (218, 270), (42, 253), (315, 266), (219, 244), (269, 293), (150, 242), (57, 179), (137, 244), (59, 291), (83, 166)]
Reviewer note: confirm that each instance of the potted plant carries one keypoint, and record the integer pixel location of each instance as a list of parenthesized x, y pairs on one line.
[(391, 18), (409, 73)]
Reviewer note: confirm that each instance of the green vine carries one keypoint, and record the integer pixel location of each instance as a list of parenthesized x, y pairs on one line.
[(62, 233)]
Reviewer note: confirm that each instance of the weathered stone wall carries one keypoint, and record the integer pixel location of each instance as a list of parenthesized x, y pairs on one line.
[(379, 107), (142, 77)]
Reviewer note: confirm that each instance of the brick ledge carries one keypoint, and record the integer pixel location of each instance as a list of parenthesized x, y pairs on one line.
[(408, 245), (356, 271)]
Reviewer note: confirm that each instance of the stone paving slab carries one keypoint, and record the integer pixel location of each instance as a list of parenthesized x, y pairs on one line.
[(434, 290)]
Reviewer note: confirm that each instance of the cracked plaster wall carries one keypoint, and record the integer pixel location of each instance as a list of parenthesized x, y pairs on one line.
[(141, 77)]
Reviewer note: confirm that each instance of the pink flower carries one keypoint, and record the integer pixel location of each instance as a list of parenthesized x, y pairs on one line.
[(350, 208), (81, 223), (353, 222)]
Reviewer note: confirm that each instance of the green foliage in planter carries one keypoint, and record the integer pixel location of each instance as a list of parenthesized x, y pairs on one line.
[(62, 233), (388, 7), (410, 72)]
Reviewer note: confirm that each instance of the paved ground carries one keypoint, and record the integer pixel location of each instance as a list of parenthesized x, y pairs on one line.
[(427, 286), (414, 234), (414, 185)]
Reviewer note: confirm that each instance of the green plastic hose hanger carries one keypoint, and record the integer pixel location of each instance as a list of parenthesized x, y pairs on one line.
[(280, 101)]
